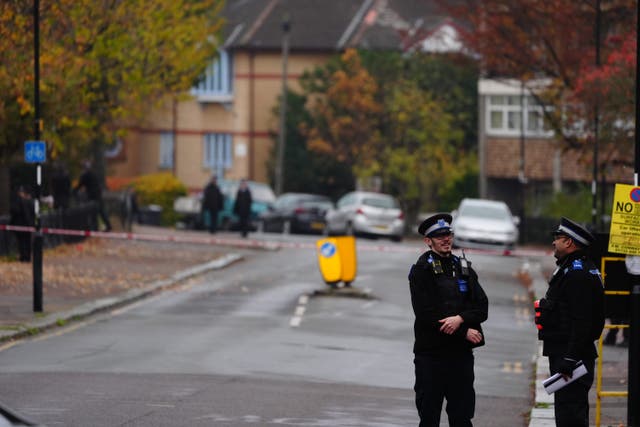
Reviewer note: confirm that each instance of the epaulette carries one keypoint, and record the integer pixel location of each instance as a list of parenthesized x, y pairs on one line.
[(577, 264), (435, 264)]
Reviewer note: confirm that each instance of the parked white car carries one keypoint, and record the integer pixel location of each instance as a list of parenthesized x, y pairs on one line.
[(484, 224), (366, 213)]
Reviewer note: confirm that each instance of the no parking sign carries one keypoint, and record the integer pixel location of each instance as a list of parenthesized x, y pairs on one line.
[(624, 235)]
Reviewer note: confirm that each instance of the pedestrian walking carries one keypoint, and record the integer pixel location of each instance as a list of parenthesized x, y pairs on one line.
[(60, 187), (570, 318), (212, 203), (449, 305), (90, 183), (22, 213), (242, 206)]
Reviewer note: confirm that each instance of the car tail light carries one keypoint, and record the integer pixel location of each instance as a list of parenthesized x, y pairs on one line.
[(359, 211), (300, 210), (401, 216)]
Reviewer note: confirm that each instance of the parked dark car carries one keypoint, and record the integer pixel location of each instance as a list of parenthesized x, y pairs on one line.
[(296, 213)]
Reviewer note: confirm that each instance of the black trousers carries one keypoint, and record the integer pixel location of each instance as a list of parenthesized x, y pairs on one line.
[(23, 239), (440, 377), (571, 403)]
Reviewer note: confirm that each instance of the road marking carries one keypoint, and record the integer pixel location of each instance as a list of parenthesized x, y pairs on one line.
[(299, 311), (369, 304)]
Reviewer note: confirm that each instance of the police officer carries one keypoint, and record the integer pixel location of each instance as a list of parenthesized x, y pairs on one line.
[(449, 306), (570, 318)]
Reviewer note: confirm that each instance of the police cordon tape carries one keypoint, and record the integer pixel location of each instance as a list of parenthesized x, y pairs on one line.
[(251, 243)]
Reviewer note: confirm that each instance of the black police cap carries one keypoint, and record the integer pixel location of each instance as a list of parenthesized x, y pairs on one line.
[(575, 231), (436, 225)]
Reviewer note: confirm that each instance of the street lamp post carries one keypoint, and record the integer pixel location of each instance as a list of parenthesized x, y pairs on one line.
[(633, 410), (596, 124), (286, 27), (37, 236)]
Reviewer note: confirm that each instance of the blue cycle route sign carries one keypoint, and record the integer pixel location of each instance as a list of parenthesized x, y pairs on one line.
[(328, 250), (35, 151)]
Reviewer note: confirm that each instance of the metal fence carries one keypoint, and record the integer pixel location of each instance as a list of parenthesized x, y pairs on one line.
[(79, 217)]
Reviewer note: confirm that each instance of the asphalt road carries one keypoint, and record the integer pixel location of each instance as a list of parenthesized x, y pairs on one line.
[(254, 344)]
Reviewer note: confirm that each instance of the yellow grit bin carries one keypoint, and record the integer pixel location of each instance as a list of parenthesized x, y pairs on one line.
[(337, 259)]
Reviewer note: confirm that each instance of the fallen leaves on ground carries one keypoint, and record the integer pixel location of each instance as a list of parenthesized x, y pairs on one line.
[(101, 267)]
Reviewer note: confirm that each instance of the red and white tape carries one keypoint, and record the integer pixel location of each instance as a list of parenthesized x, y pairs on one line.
[(251, 243)]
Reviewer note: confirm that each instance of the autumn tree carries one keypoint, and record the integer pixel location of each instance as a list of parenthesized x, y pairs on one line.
[(305, 170), (104, 64), (344, 111), (422, 151), (554, 39), (389, 126)]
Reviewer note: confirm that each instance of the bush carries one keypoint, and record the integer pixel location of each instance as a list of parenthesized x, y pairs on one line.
[(159, 189)]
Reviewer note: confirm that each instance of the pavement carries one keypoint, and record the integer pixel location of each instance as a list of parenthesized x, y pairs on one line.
[(17, 319)]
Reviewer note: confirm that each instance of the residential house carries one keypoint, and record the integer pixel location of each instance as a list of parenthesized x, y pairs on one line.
[(228, 126), (520, 157)]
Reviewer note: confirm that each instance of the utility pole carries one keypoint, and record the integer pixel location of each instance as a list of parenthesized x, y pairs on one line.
[(633, 396), (596, 125), (37, 237), (522, 177), (286, 27)]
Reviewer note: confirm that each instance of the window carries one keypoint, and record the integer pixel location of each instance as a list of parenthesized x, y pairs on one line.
[(504, 116), (166, 150), (218, 154), (217, 82)]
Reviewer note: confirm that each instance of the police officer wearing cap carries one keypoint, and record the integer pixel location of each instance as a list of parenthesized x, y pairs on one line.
[(449, 306), (570, 318)]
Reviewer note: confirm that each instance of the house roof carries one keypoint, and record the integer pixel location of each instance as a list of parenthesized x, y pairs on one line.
[(330, 25)]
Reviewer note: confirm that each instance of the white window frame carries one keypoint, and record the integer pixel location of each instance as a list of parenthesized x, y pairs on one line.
[(511, 91), (217, 150), (216, 85), (167, 144), (509, 108)]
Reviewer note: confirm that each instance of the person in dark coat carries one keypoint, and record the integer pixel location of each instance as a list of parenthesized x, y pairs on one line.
[(93, 189), (242, 207), (212, 203), (570, 318), (60, 187), (23, 214), (449, 305)]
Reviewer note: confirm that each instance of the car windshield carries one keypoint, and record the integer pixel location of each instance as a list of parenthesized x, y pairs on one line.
[(484, 211), (380, 202)]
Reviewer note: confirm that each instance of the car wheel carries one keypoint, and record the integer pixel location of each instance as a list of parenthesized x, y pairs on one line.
[(396, 238)]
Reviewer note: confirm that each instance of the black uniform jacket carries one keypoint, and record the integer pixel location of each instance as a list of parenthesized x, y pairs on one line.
[(572, 311), (436, 293)]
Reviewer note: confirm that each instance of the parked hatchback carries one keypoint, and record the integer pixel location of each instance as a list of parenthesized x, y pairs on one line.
[(367, 213), (481, 223), (296, 213)]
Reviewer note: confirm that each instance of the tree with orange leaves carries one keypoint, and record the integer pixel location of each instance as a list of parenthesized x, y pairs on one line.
[(557, 39), (103, 65)]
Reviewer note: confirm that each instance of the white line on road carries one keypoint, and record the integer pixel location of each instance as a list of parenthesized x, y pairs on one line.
[(299, 311)]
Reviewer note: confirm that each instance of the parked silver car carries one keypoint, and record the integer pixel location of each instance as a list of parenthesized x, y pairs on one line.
[(367, 213), (484, 224)]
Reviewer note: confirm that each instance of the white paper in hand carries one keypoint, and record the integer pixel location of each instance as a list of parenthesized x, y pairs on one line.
[(556, 382)]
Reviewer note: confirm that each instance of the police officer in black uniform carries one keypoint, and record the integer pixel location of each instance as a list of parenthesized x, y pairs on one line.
[(570, 318), (449, 306)]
